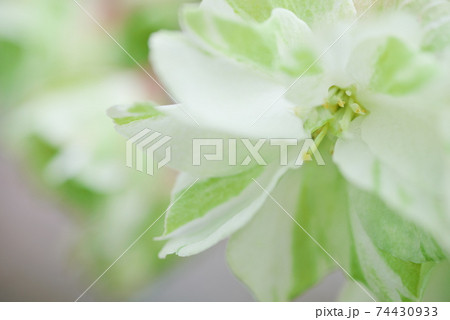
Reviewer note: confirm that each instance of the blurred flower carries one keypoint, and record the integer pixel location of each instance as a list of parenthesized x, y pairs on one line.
[(59, 74), (48, 43), (62, 135)]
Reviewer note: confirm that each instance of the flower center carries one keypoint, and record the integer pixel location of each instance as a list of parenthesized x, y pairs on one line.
[(333, 117)]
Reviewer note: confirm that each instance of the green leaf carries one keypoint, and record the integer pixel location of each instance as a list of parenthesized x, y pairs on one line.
[(387, 277), (231, 212), (273, 256), (312, 12)]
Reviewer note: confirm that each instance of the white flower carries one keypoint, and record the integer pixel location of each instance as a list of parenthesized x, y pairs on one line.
[(371, 85)]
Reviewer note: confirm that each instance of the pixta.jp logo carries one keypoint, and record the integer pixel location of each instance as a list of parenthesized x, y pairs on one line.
[(141, 150)]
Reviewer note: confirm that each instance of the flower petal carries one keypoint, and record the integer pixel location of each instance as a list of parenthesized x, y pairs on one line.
[(282, 44), (222, 220), (313, 12), (273, 255), (404, 191), (221, 94), (387, 277)]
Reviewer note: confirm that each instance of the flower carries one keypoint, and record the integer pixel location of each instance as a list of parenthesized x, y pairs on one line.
[(367, 82)]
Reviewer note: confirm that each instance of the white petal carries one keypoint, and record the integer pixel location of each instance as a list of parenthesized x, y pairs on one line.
[(221, 94), (370, 172)]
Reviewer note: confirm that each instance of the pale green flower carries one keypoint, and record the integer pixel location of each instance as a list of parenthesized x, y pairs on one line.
[(65, 141), (46, 43), (368, 83)]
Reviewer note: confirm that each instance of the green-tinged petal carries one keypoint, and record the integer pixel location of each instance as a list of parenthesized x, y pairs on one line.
[(400, 69), (171, 121), (280, 44), (438, 287), (433, 15), (313, 12), (261, 254), (390, 232), (223, 92), (273, 256), (240, 40), (138, 111), (412, 200), (221, 7), (202, 197), (190, 144), (67, 128), (445, 131), (387, 277), (221, 221), (365, 58), (404, 138)]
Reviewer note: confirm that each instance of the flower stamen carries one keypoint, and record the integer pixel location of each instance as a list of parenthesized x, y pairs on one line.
[(335, 115)]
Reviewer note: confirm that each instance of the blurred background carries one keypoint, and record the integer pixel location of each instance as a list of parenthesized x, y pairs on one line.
[(68, 205)]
